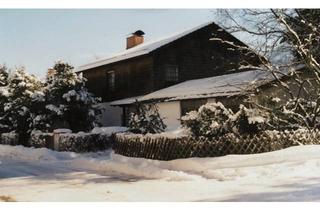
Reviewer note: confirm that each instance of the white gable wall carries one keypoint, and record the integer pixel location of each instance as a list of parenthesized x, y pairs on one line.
[(170, 111)]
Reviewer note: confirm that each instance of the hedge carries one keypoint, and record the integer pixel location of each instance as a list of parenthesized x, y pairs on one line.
[(39, 140), (9, 138), (84, 142)]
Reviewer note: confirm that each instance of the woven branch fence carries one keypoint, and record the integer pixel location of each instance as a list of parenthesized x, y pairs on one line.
[(162, 148)]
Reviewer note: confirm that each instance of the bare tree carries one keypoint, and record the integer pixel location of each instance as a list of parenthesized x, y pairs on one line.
[(286, 40)]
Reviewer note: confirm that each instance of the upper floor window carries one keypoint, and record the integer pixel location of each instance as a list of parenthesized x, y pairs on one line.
[(111, 80), (172, 73)]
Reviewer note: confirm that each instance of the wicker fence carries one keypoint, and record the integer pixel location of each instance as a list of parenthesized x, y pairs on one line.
[(162, 148)]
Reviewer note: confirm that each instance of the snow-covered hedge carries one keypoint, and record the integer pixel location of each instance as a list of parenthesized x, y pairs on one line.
[(98, 139), (9, 138), (84, 142), (39, 139)]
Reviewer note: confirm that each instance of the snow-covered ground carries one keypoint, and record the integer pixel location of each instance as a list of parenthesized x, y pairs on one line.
[(29, 174)]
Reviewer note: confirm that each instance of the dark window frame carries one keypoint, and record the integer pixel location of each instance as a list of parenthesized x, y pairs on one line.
[(111, 80), (171, 73)]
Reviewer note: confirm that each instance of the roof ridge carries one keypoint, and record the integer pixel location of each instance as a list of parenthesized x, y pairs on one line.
[(141, 49)]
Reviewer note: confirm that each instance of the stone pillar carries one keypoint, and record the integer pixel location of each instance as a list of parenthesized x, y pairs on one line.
[(56, 136)]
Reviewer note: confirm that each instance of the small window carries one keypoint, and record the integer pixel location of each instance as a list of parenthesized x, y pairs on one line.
[(191, 105), (111, 80), (172, 73)]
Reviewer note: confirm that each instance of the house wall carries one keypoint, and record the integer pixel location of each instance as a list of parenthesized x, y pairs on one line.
[(132, 78), (271, 91), (197, 57), (170, 111), (111, 115)]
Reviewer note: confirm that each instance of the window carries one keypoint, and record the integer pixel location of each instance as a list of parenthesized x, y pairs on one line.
[(172, 73), (111, 80), (191, 105)]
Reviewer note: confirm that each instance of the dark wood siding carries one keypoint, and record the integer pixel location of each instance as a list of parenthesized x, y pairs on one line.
[(132, 78), (198, 57)]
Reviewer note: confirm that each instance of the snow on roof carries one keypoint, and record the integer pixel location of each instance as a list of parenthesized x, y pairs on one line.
[(141, 49), (126, 101), (225, 85)]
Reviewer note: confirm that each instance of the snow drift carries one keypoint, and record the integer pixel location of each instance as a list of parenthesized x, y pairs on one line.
[(220, 168)]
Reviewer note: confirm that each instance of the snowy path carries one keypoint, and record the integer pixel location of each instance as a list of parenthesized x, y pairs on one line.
[(28, 174)]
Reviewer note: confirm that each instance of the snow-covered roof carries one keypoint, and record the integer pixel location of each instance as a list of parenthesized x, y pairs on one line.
[(141, 49), (218, 86), (126, 101)]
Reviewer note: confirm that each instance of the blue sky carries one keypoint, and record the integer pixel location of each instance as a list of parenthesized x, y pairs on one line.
[(36, 38)]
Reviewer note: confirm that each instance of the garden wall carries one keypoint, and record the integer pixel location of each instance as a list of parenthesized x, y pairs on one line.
[(164, 148)]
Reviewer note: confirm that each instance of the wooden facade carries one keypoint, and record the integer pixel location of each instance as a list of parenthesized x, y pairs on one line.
[(192, 56)]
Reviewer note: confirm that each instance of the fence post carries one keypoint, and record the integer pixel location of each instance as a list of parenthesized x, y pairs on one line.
[(56, 137)]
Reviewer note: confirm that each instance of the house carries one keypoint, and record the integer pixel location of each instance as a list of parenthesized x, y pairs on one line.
[(231, 89), (175, 101), (146, 67)]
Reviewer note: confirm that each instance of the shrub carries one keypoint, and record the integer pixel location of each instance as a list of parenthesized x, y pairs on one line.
[(249, 121), (146, 119), (214, 119), (210, 120)]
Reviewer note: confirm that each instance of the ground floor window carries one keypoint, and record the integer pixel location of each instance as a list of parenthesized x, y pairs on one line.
[(191, 105)]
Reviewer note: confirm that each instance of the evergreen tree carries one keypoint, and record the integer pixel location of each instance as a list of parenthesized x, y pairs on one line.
[(3, 75), (23, 93), (146, 119), (68, 101), (3, 97)]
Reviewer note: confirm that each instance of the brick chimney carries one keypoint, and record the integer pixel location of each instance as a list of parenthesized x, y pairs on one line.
[(135, 39)]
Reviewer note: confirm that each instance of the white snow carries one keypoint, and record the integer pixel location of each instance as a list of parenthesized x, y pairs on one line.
[(109, 130), (28, 174), (4, 91), (62, 130), (57, 110)]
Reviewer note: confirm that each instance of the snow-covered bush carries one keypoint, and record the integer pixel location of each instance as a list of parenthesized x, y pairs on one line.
[(84, 142), (249, 121), (290, 114), (214, 119), (11, 138), (22, 105), (146, 119), (69, 104), (211, 119)]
